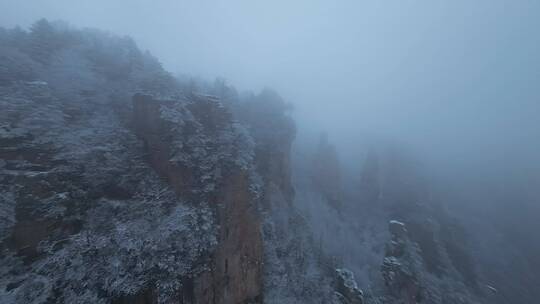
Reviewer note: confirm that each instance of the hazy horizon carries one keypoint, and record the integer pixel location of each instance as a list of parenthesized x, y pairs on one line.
[(456, 82)]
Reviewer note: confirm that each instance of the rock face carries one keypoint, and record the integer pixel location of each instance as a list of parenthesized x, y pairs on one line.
[(398, 268), (235, 274), (290, 272)]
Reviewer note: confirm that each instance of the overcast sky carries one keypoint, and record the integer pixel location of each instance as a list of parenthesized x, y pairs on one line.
[(458, 80)]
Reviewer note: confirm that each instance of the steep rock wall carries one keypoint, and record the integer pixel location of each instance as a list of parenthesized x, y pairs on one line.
[(235, 273)]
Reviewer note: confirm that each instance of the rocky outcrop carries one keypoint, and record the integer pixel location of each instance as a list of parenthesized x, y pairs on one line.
[(347, 290), (399, 268), (419, 268), (235, 272), (292, 273)]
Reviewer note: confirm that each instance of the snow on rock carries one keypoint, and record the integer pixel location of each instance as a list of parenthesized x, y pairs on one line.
[(397, 229), (347, 288), (205, 155)]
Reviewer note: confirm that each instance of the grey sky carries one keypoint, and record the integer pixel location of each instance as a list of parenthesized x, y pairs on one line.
[(457, 80)]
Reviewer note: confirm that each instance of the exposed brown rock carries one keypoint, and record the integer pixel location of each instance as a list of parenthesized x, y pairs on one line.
[(153, 131), (235, 273)]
